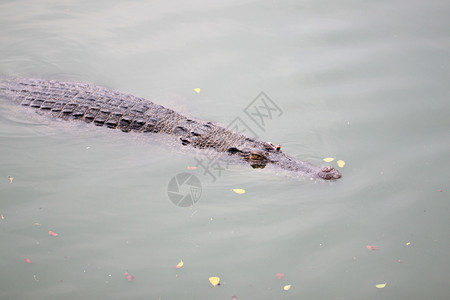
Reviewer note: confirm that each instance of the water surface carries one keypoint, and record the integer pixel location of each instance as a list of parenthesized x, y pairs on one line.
[(360, 81)]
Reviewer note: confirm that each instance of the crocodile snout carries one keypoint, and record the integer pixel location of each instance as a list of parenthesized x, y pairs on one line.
[(329, 173)]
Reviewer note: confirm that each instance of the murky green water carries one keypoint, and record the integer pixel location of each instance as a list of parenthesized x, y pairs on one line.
[(365, 82)]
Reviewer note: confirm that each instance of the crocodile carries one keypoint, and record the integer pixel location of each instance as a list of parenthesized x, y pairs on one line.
[(105, 107)]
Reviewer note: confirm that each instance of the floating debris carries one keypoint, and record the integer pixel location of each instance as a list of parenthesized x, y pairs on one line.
[(341, 163), (215, 281), (180, 264), (239, 191), (372, 247), (53, 233), (128, 276)]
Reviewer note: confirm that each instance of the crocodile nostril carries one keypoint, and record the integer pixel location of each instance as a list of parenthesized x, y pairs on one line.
[(327, 169)]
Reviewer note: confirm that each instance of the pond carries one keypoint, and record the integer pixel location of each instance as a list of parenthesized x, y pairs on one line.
[(86, 212)]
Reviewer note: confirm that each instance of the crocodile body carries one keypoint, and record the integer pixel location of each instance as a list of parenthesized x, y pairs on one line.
[(116, 110)]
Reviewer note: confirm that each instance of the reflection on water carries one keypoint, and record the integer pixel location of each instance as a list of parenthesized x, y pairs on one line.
[(363, 82)]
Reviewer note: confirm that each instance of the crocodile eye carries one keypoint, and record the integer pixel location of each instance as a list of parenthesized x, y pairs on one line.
[(233, 150)]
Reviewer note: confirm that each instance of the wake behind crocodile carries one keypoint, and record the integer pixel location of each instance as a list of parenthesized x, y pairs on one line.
[(89, 104)]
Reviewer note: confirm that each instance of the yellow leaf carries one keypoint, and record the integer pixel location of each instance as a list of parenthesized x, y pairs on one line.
[(214, 280), (341, 163), (239, 191), (381, 285), (10, 179), (197, 90), (328, 159), (287, 287), (408, 243), (180, 264)]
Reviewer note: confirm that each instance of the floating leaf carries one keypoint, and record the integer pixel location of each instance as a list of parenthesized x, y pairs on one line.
[(328, 159), (197, 90), (128, 276), (192, 168), (287, 287), (10, 179), (37, 224), (408, 243), (279, 275), (180, 264), (233, 298), (53, 233), (341, 163), (372, 247), (214, 281), (239, 191), (381, 285), (27, 260), (2, 217)]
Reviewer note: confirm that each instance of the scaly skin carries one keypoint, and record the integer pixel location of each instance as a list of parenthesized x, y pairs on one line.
[(101, 106)]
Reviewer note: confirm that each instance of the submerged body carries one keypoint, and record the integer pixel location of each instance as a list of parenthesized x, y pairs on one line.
[(104, 107)]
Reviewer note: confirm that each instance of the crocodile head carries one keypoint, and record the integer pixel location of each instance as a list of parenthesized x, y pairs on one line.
[(258, 156)]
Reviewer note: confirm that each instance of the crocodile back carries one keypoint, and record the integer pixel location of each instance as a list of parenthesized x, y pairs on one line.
[(104, 107), (90, 103)]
